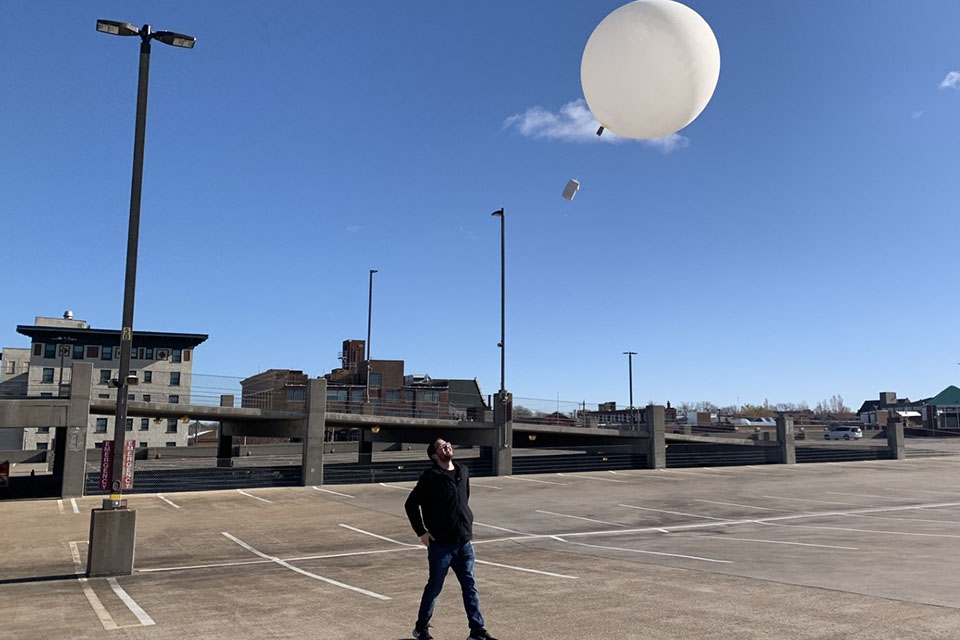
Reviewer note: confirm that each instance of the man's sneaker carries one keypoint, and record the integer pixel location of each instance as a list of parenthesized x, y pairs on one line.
[(480, 634), (422, 634)]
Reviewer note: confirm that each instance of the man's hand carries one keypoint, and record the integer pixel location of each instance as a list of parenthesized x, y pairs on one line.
[(426, 538)]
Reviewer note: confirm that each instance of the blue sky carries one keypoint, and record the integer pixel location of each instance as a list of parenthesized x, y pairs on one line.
[(798, 242)]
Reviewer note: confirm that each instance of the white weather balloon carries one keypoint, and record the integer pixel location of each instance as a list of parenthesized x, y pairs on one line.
[(649, 68)]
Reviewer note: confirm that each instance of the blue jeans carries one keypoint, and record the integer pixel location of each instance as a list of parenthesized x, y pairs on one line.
[(460, 557)]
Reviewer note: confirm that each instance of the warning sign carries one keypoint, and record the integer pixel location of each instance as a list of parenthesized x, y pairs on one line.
[(4, 473), (129, 451)]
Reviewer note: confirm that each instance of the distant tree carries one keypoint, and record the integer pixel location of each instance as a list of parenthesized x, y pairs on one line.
[(832, 406), (520, 411), (757, 410)]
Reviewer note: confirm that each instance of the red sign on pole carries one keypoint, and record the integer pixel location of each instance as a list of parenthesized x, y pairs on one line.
[(129, 451), (106, 465)]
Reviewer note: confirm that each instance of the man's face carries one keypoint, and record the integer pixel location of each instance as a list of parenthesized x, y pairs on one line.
[(444, 452)]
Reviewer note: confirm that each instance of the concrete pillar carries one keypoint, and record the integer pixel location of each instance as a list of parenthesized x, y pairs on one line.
[(365, 448), (226, 400), (111, 543), (786, 445), (656, 440), (314, 429), (224, 443), (72, 459), (895, 439), (503, 447)]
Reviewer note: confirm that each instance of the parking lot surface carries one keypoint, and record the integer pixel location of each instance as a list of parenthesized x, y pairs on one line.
[(840, 550)]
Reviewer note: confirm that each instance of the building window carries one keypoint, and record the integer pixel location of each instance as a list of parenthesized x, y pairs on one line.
[(104, 376), (106, 353), (186, 355), (37, 349), (43, 429), (49, 351), (408, 395), (146, 397), (101, 425), (103, 395), (129, 424), (356, 395), (78, 352), (171, 425), (176, 355), (42, 446), (98, 445), (93, 351), (171, 444), (142, 444), (174, 399), (144, 424), (46, 394), (148, 353), (393, 396), (147, 377), (429, 396), (336, 395), (296, 395), (131, 396), (47, 374), (174, 378), (376, 379)]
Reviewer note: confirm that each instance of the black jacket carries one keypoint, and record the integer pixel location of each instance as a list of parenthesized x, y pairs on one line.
[(443, 503)]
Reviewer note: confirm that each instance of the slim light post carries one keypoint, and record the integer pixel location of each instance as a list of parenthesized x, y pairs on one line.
[(133, 235), (503, 323), (369, 319), (630, 354)]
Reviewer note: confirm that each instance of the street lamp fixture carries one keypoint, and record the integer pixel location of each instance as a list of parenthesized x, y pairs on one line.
[(499, 214), (133, 238)]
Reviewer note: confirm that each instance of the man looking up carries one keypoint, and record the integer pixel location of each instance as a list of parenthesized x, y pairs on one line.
[(438, 512)]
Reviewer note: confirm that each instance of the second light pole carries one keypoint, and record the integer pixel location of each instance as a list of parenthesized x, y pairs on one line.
[(503, 318), (369, 319), (630, 355)]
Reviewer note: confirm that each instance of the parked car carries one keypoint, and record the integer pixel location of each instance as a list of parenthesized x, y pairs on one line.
[(843, 433)]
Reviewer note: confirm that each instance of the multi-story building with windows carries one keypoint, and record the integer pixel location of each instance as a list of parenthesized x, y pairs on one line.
[(162, 363)]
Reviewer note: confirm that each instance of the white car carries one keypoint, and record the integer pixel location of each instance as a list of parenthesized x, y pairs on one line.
[(843, 433)]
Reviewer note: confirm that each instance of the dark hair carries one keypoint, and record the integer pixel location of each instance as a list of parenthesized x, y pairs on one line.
[(432, 449)]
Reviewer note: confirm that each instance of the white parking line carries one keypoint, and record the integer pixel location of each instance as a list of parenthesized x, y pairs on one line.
[(798, 544), (390, 486), (894, 533), (490, 526), (287, 565), (375, 535), (105, 618), (524, 569), (567, 515), (676, 513), (694, 473), (73, 503), (856, 495), (141, 615), (741, 472), (345, 495), (574, 475), (175, 506), (863, 515), (562, 484), (250, 495), (848, 504), (749, 506), (951, 493), (485, 486), (60, 507), (644, 551)]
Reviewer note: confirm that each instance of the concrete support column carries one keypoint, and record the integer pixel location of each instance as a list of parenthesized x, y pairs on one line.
[(111, 544), (503, 447), (656, 440), (786, 445), (224, 443), (895, 439), (71, 460), (314, 430), (365, 448)]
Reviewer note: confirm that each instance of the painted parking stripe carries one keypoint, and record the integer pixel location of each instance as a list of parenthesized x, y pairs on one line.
[(525, 569), (60, 507), (73, 503), (676, 513), (567, 515), (894, 533), (562, 484), (798, 544), (390, 486), (574, 475), (863, 515), (485, 486), (250, 495), (378, 536), (648, 552), (749, 506), (105, 618), (856, 495), (336, 493), (694, 473), (951, 493), (141, 615), (287, 565), (848, 504), (490, 526), (169, 502)]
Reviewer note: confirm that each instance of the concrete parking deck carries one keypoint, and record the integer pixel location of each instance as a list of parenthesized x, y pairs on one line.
[(841, 550)]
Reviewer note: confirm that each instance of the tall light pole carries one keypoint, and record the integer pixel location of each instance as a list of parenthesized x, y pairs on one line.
[(133, 234), (369, 318), (633, 412), (503, 322)]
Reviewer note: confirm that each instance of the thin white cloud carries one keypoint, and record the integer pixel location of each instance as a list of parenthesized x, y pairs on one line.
[(575, 123), (353, 228), (952, 81), (918, 114)]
